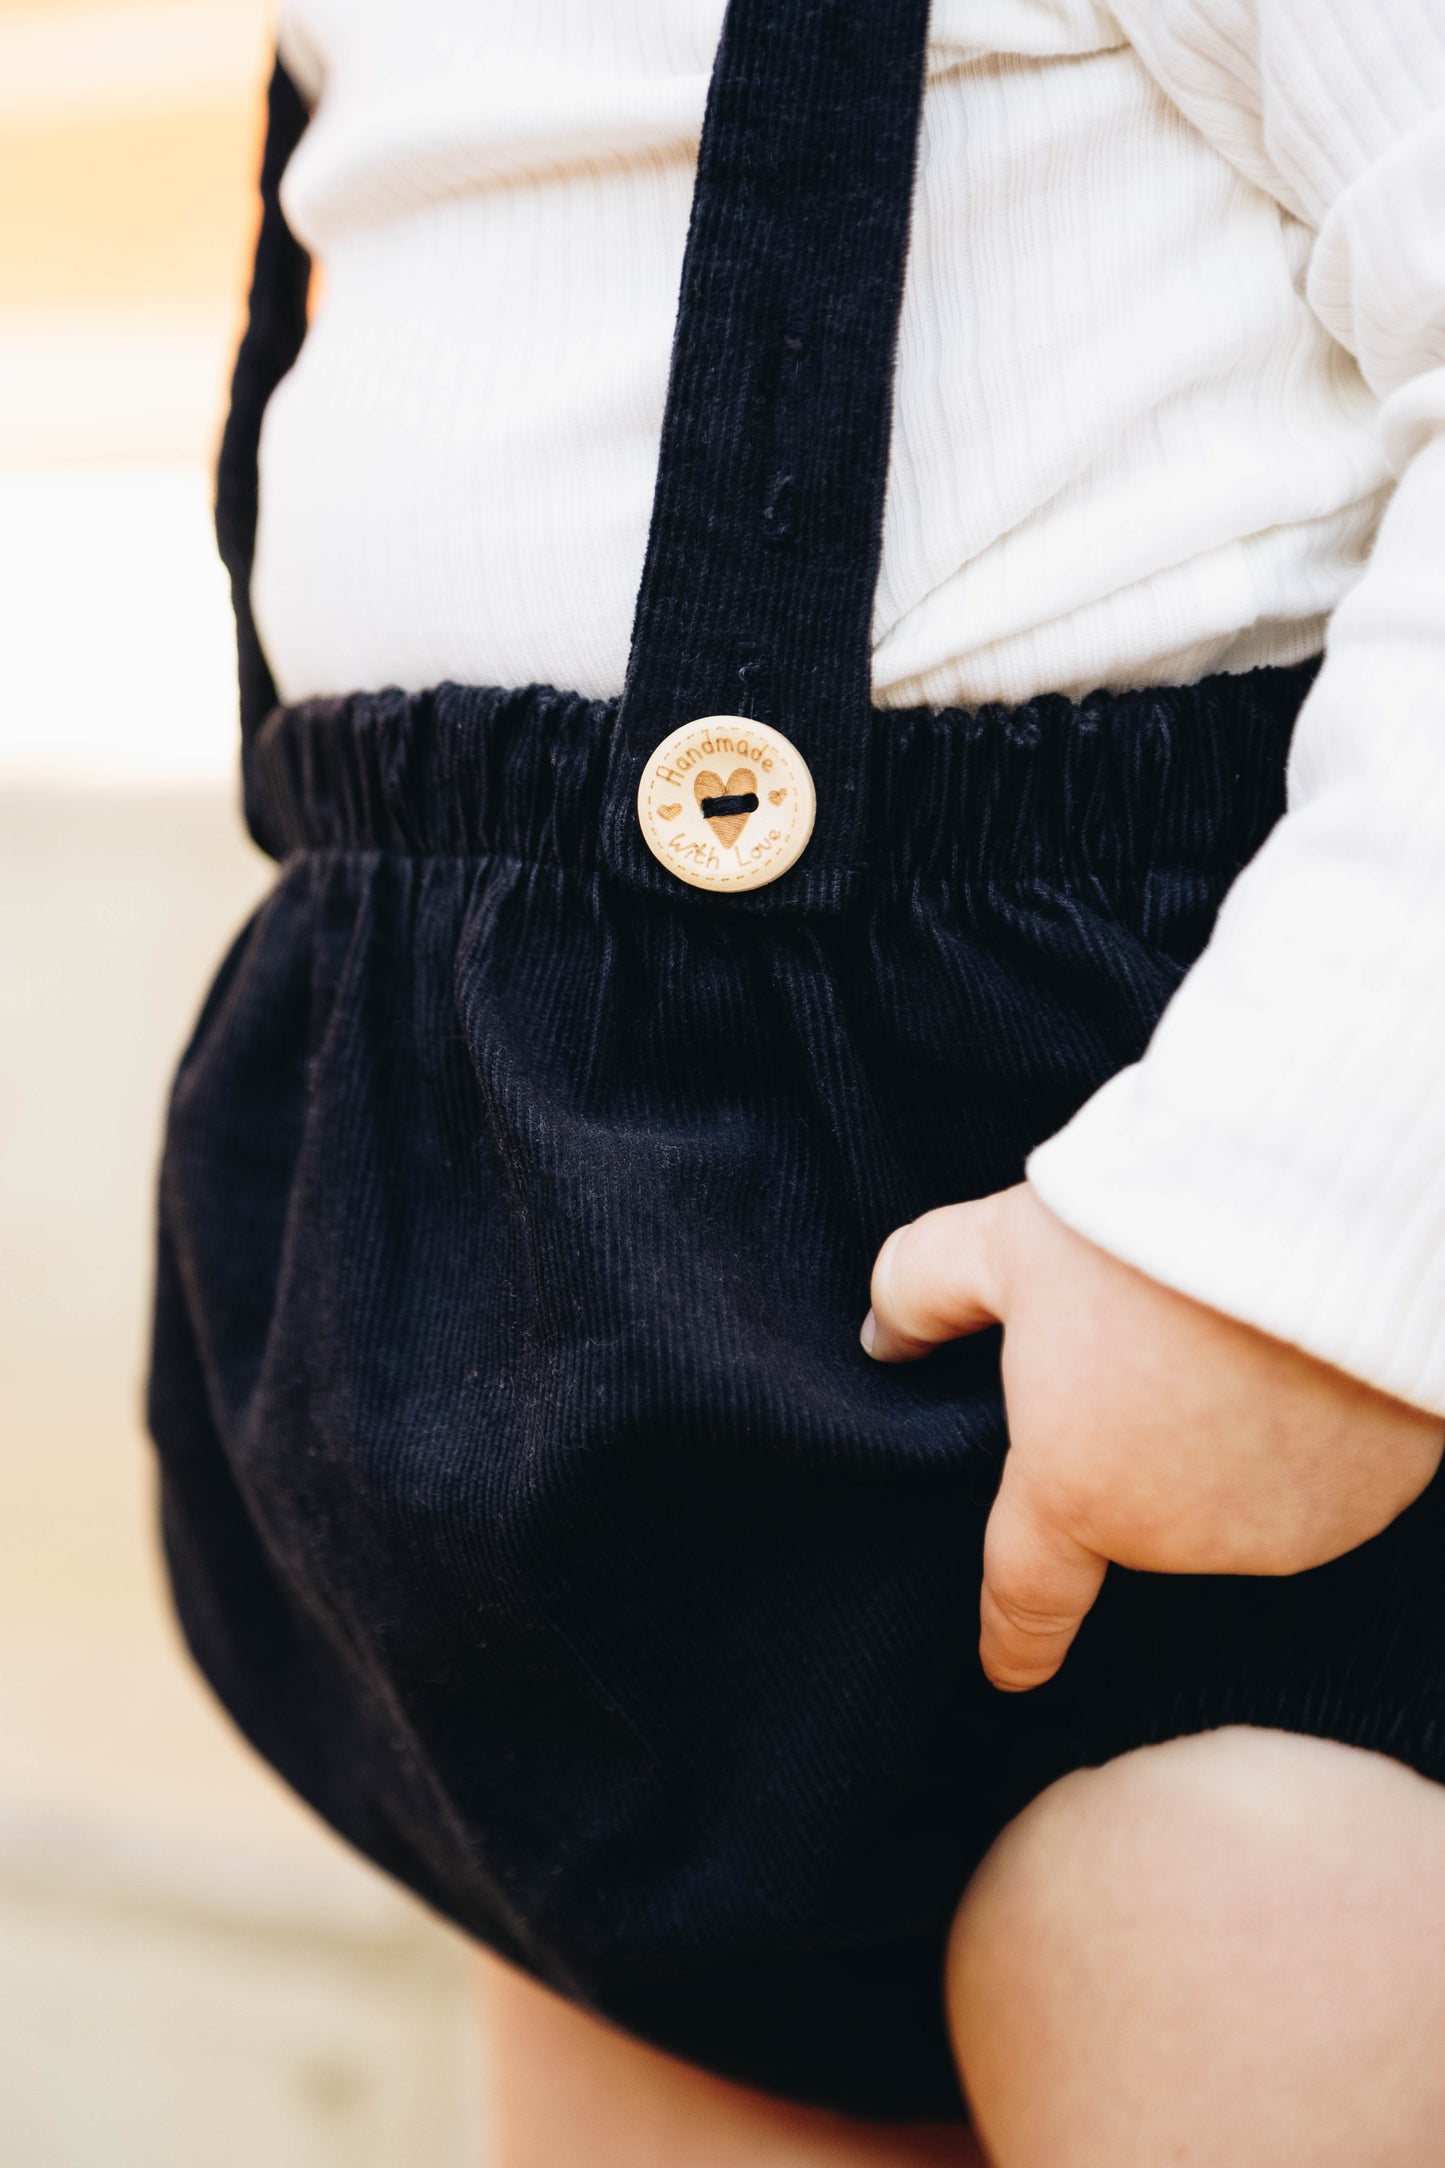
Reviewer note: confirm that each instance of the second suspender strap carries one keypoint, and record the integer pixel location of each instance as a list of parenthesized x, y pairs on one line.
[(275, 328), (757, 592)]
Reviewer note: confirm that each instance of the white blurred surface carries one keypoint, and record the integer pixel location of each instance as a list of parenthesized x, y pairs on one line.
[(61, 62), (119, 659), (115, 385)]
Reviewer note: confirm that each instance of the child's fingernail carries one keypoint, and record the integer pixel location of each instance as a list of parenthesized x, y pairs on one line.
[(869, 1333)]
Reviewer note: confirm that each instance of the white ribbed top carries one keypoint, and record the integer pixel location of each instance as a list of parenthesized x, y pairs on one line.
[(1174, 324)]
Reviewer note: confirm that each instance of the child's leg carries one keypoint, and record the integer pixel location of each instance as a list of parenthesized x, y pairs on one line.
[(1226, 1950), (570, 2091)]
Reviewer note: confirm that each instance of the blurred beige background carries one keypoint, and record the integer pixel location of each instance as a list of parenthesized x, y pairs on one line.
[(191, 1970)]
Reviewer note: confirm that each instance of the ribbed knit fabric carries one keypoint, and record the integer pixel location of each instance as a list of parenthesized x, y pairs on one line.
[(1174, 318), (1125, 450), (1280, 1152)]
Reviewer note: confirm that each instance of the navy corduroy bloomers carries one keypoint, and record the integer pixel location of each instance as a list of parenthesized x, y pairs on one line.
[(528, 1498)]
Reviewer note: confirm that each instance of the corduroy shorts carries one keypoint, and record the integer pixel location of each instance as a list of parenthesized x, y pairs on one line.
[(528, 1497)]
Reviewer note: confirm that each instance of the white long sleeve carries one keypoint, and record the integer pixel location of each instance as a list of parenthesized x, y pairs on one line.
[(1280, 1150)]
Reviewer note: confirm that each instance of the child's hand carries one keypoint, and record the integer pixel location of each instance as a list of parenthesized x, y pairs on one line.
[(1144, 1428)]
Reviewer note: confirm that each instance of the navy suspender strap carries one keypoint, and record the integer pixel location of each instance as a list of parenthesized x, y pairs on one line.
[(757, 593), (275, 328)]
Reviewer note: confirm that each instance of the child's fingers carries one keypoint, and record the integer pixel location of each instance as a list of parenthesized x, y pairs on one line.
[(935, 1279), (1039, 1584)]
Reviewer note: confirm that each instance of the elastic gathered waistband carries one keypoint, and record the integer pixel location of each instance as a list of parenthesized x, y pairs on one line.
[(1179, 775)]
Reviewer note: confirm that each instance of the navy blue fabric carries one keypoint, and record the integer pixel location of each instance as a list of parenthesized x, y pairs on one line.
[(757, 591), (275, 328), (527, 1496)]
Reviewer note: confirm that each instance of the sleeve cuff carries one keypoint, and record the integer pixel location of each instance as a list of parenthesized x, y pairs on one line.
[(1322, 1256)]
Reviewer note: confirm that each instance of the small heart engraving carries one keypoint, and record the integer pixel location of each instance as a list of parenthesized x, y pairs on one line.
[(776, 797), (742, 783), (668, 812)]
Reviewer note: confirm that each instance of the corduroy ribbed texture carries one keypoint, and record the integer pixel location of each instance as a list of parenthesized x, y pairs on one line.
[(528, 1498), (1111, 788)]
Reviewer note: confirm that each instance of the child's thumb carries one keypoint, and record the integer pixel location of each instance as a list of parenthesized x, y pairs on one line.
[(1039, 1584)]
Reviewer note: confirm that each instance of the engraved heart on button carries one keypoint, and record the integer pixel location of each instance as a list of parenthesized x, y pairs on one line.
[(668, 812), (730, 811), (776, 797)]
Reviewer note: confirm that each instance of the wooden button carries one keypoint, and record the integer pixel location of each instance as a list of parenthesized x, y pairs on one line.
[(726, 804)]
